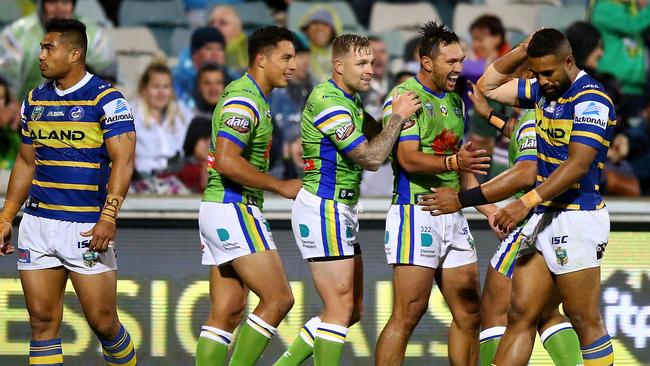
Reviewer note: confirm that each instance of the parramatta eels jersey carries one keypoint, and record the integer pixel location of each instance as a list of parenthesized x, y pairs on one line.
[(584, 114), (243, 117), (68, 129), (438, 126), (331, 125)]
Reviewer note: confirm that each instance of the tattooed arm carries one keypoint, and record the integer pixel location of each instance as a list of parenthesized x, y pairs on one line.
[(371, 154)]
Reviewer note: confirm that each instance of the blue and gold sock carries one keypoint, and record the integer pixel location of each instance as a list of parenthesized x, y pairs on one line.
[(120, 351), (47, 352), (599, 353)]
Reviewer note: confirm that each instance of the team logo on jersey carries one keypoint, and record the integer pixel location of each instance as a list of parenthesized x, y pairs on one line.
[(76, 113), (558, 110), (457, 112), (239, 124), (89, 258), (443, 110), (117, 110), (347, 194), (37, 112), (344, 131), (600, 250), (408, 124), (561, 255), (550, 108), (429, 108), (24, 256), (308, 164)]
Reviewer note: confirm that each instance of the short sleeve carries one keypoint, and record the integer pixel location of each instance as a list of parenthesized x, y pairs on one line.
[(526, 141), (237, 119), (336, 122), (116, 116), (410, 130), (591, 117), (527, 92), (24, 129)]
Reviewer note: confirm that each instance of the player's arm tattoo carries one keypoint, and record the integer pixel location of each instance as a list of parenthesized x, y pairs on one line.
[(370, 155)]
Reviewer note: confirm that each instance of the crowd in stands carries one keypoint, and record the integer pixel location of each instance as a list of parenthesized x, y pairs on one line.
[(176, 93)]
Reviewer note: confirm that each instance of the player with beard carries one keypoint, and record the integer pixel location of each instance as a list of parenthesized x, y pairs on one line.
[(339, 141), (569, 228), (420, 246)]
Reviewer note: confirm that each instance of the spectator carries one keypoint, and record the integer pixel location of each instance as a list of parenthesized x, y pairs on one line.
[(320, 27), (622, 24), (402, 76), (160, 120), (19, 46), (9, 136), (373, 100), (207, 45), (292, 152), (228, 22), (639, 144), (618, 175), (412, 55), (210, 82), (287, 103), (194, 172)]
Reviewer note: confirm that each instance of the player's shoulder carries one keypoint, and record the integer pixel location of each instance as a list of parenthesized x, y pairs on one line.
[(243, 89), (586, 88), (326, 95), (43, 91)]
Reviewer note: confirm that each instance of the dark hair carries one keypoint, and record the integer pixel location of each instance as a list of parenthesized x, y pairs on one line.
[(264, 38), (584, 39), (548, 41), (200, 127), (490, 22), (5, 84), (73, 32), (433, 36), (210, 67), (346, 43)]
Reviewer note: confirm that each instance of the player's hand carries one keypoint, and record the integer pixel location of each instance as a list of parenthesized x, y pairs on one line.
[(442, 201), (290, 188), (5, 235), (508, 217), (498, 232), (103, 235), (473, 161), (405, 105), (481, 105)]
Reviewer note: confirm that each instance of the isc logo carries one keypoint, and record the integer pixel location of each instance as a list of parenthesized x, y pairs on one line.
[(83, 244), (557, 240)]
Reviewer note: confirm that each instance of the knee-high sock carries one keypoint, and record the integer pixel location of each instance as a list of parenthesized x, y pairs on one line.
[(328, 344), (212, 347), (302, 347), (599, 353), (489, 343), (120, 351), (46, 352), (562, 344), (253, 337)]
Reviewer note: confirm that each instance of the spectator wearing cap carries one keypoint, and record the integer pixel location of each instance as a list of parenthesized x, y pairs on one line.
[(207, 45), (228, 22), (20, 40), (321, 26), (210, 82)]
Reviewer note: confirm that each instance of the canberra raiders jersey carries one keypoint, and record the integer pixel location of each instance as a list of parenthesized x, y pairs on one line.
[(243, 117), (523, 142), (438, 127), (331, 127)]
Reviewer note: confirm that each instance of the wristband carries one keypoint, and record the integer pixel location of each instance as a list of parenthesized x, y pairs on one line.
[(472, 197), (497, 120), (111, 208), (9, 212), (531, 199), (451, 162)]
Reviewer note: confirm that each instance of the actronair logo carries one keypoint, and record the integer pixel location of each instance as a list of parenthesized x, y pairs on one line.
[(117, 110), (592, 113)]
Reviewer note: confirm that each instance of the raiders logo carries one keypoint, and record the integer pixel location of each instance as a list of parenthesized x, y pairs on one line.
[(241, 125), (408, 124), (344, 131)]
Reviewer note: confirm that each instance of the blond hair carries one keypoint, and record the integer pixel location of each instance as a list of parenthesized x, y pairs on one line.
[(349, 43), (172, 112)]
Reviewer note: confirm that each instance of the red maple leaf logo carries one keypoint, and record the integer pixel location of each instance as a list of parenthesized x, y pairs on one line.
[(446, 143)]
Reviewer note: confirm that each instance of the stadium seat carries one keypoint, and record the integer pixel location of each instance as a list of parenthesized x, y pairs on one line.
[(560, 17), (515, 17), (10, 12), (387, 16), (180, 39), (162, 17), (300, 9), (395, 41), (135, 48), (91, 9), (527, 2)]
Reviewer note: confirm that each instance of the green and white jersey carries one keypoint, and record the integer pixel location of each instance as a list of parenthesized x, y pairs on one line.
[(243, 117), (438, 126), (331, 127), (523, 142)]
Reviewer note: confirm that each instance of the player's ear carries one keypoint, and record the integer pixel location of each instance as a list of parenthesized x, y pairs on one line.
[(427, 63), (570, 62), (337, 64), (260, 60), (75, 55)]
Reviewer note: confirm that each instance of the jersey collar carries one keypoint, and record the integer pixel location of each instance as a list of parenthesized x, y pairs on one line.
[(342, 91), (426, 89), (75, 87), (258, 88)]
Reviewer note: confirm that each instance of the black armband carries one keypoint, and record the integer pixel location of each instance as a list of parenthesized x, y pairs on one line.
[(497, 120), (472, 197)]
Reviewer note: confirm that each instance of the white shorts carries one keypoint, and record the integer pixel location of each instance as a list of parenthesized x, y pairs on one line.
[(322, 227), (511, 248), (416, 237), (569, 240), (232, 230), (48, 243)]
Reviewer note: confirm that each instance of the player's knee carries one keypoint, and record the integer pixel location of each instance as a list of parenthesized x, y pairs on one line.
[(468, 319), (105, 327), (230, 313), (280, 302), (409, 312), (44, 320), (583, 319)]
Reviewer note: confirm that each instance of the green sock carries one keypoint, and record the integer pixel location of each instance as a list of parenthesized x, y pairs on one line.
[(562, 344), (302, 347), (253, 337), (489, 343), (212, 346), (328, 344)]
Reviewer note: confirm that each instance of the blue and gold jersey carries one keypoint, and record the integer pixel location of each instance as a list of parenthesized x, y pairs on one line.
[(584, 114), (68, 129)]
